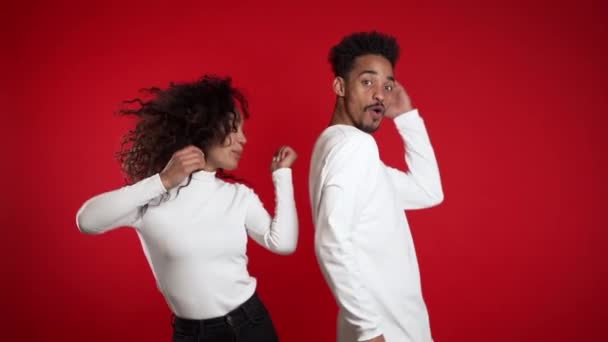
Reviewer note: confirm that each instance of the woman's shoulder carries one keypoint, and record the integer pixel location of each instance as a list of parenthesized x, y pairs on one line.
[(235, 186)]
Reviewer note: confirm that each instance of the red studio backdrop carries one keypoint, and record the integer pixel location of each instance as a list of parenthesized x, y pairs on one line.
[(514, 95)]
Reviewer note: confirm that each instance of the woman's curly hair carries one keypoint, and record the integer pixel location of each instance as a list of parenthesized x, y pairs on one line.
[(200, 113)]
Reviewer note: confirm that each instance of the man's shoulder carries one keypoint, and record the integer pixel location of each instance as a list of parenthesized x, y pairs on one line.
[(341, 145), (344, 138)]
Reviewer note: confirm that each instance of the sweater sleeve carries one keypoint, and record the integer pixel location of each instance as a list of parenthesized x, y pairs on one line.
[(278, 234), (419, 187), (350, 174), (117, 208)]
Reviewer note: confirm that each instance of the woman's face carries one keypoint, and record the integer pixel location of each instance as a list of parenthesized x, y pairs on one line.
[(227, 155)]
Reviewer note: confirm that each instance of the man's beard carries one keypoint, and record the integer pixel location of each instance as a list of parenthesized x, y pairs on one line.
[(367, 128), (371, 128)]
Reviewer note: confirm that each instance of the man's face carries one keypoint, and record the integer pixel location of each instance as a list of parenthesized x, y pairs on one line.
[(367, 88)]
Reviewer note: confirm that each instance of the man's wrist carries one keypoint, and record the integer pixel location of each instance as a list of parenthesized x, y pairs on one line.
[(402, 112)]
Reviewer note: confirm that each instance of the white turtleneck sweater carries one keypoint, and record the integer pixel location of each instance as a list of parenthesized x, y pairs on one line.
[(362, 239), (196, 242)]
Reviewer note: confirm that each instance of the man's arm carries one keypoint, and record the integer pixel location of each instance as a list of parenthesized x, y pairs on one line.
[(419, 187), (350, 174)]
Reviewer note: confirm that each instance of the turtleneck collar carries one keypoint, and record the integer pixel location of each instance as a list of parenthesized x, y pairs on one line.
[(204, 175)]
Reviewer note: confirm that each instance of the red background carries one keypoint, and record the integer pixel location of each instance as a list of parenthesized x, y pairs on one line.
[(514, 96)]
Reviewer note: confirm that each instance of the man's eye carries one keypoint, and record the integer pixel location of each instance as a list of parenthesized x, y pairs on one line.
[(389, 88), (366, 82)]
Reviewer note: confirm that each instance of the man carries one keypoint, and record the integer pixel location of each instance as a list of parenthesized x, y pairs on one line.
[(362, 239)]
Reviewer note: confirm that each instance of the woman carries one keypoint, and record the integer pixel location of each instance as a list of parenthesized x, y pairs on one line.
[(192, 222)]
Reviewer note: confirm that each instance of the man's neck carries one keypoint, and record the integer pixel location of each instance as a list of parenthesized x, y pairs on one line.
[(340, 116)]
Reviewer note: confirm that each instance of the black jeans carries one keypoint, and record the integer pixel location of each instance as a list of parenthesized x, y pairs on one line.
[(250, 322)]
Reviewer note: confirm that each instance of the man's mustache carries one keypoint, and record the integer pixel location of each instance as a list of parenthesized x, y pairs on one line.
[(379, 104)]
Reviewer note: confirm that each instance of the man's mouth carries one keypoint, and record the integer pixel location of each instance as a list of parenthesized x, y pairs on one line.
[(237, 154), (376, 110)]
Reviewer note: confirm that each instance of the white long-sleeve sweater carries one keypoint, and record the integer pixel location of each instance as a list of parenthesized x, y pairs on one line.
[(196, 242), (362, 239)]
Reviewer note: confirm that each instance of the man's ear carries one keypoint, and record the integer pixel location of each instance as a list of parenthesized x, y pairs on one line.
[(339, 85)]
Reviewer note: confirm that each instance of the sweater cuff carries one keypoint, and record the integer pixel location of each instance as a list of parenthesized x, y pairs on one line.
[(407, 117), (156, 185), (282, 173)]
